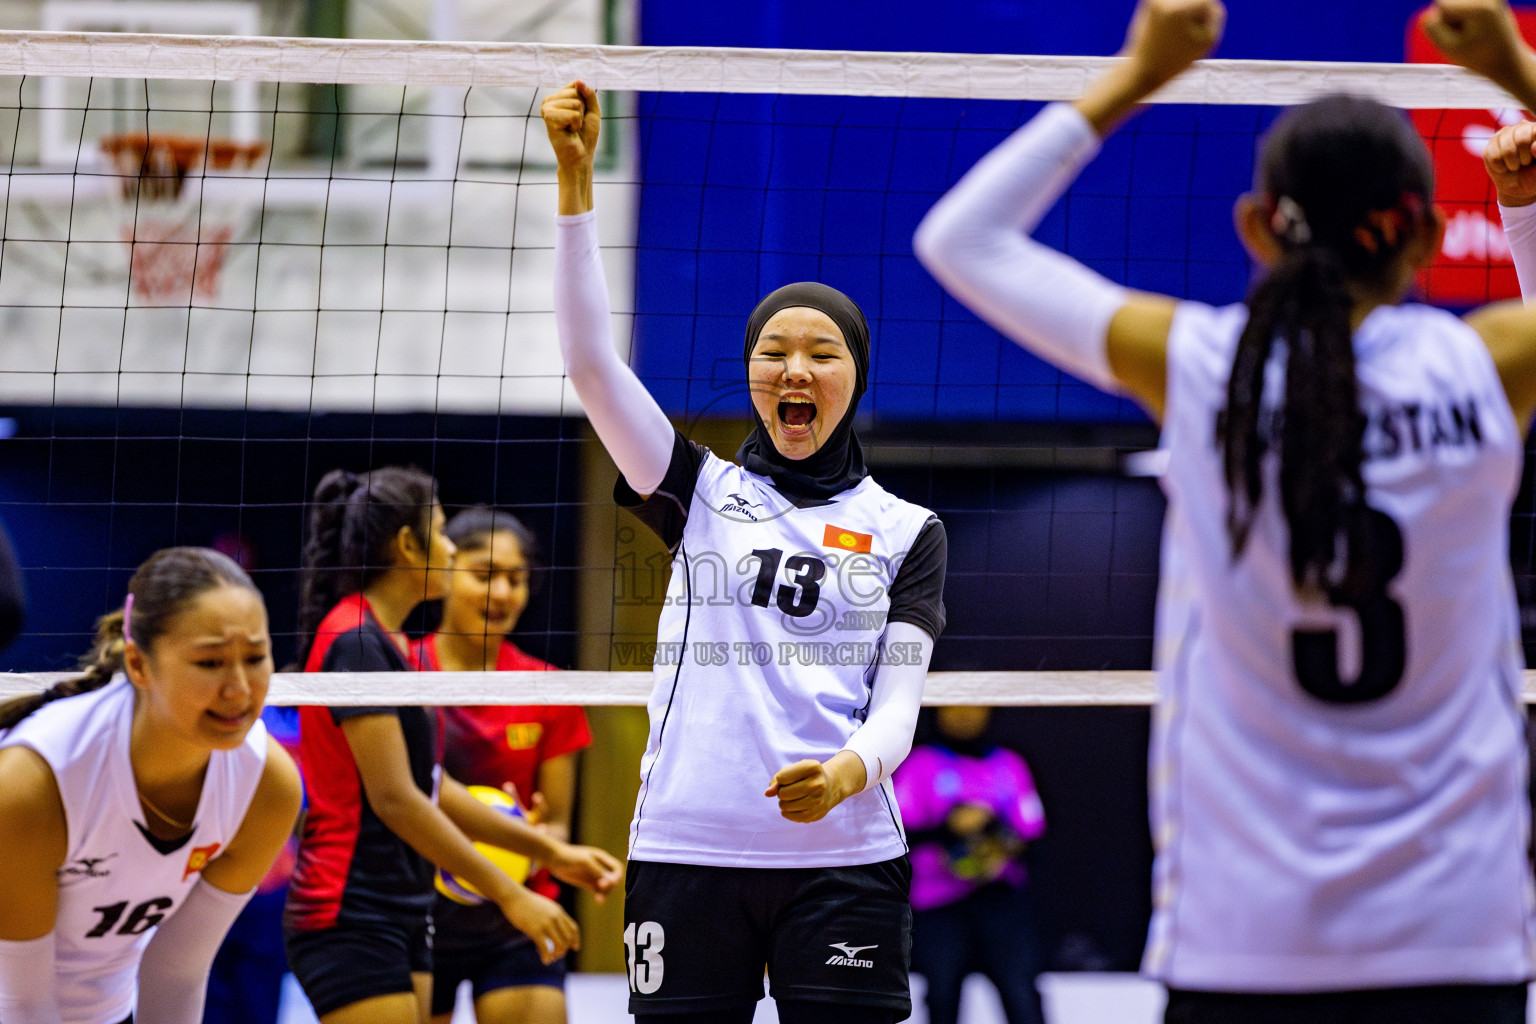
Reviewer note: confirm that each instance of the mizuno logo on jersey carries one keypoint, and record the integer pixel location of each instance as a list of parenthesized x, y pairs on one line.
[(846, 540), (738, 505), (849, 956), (85, 867)]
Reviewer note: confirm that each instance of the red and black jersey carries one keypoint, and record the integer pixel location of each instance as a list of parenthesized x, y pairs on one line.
[(351, 867), (490, 745)]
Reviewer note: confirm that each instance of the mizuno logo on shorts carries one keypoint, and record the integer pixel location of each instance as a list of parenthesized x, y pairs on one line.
[(849, 957)]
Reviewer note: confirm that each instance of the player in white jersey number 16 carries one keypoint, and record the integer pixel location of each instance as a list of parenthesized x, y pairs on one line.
[(176, 803)]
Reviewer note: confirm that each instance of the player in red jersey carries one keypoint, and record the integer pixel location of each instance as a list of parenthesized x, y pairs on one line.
[(527, 749), (381, 813)]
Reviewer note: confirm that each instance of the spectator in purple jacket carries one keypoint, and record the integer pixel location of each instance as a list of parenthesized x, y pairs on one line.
[(971, 809)]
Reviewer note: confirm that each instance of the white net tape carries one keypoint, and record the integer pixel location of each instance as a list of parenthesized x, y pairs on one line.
[(593, 689), (712, 69)]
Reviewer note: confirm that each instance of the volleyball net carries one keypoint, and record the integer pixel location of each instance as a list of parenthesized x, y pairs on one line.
[(230, 264)]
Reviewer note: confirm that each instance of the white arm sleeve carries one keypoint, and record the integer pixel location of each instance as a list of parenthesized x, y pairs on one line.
[(1520, 230), (27, 994), (173, 976), (885, 738), (627, 419), (976, 242)]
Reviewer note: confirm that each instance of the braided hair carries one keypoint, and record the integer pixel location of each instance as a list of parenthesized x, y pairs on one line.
[(1348, 186), (353, 520), (162, 588)]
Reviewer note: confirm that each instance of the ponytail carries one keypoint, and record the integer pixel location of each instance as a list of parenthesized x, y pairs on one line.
[(353, 520), (101, 663), (163, 586), (324, 580)]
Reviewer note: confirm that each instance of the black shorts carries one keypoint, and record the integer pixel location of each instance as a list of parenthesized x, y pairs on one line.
[(505, 962), (697, 939), (1430, 1004), (351, 962)]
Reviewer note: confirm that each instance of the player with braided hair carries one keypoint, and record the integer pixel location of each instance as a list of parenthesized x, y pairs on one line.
[(141, 803), (1338, 755), (381, 812)]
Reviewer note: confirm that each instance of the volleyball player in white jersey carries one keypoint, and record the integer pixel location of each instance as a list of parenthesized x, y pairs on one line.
[(141, 804), (1338, 761), (792, 649)]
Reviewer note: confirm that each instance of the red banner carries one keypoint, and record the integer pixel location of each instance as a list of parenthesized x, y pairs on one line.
[(1473, 266)]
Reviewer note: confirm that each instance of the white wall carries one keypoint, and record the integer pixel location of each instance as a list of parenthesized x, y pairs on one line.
[(340, 289), (372, 296)]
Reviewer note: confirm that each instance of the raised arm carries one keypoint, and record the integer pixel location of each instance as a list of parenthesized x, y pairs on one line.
[(976, 240), (1481, 35), (627, 419), (1510, 159), (1509, 328)]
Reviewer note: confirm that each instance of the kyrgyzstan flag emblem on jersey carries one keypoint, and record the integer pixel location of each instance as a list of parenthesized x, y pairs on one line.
[(198, 859), (846, 540)]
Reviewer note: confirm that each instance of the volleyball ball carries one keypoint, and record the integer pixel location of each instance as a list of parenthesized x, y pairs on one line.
[(514, 864)]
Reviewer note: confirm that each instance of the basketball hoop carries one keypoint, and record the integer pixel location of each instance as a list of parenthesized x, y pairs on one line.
[(176, 231)]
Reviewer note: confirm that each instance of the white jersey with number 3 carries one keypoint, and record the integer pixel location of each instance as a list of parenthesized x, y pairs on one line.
[(1339, 791), (116, 883)]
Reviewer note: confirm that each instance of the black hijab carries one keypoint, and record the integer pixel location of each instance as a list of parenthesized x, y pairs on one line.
[(839, 463)]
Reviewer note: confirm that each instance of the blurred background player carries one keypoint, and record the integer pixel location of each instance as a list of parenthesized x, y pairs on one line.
[(358, 921), (141, 803), (971, 811), (1338, 757), (529, 750), (13, 592)]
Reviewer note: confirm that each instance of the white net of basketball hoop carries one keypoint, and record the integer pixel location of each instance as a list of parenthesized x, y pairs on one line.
[(179, 206)]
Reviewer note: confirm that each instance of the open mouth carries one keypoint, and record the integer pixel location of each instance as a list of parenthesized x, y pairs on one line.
[(796, 413)]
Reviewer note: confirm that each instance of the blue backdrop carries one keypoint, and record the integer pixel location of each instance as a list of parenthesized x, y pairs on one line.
[(741, 194)]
